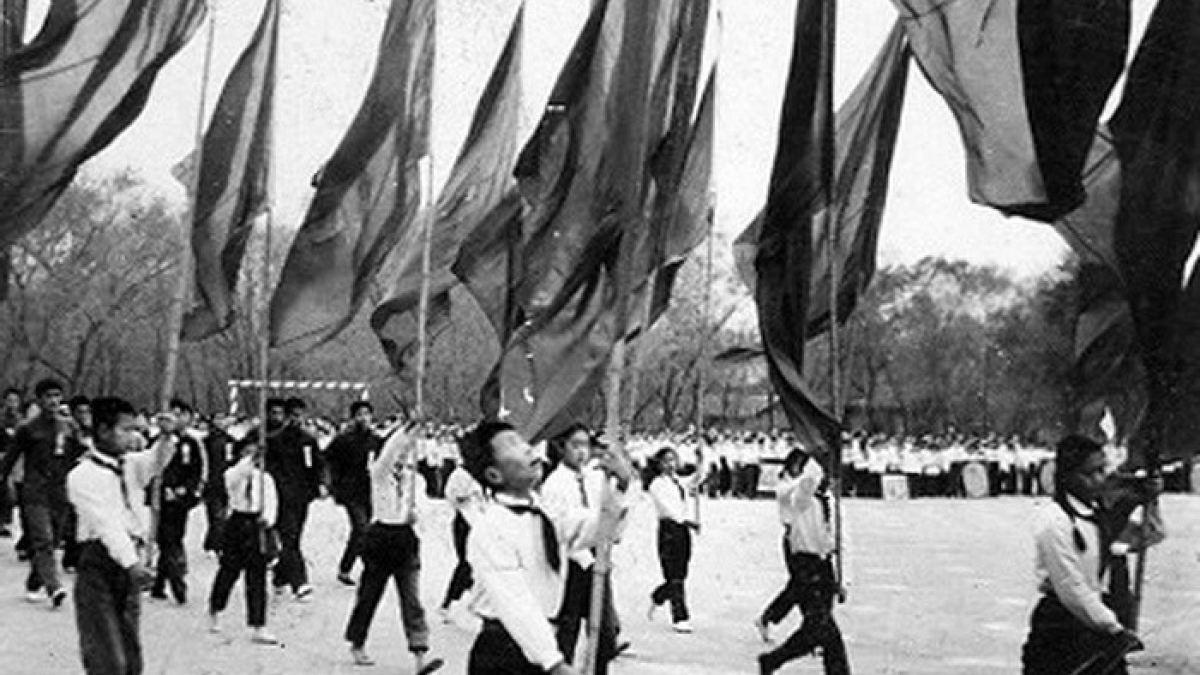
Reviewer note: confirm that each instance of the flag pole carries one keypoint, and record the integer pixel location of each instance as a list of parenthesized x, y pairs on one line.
[(831, 243), (425, 171), (184, 283), (706, 329), (264, 307)]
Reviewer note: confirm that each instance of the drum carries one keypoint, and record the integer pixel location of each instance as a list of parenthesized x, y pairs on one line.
[(975, 480), (895, 486)]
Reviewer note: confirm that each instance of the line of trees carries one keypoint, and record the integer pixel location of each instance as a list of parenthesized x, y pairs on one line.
[(935, 345)]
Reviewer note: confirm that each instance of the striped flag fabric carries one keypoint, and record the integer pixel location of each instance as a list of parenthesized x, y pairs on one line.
[(65, 96), (369, 192), (235, 170)]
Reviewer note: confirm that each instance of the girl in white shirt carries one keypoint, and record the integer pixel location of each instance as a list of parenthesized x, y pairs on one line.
[(675, 525)]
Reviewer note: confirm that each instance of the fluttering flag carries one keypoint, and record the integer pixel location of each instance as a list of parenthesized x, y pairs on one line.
[(235, 169), (798, 190), (368, 193), (79, 84), (867, 126), (1156, 132), (480, 182), (12, 36), (585, 180), (1027, 82)]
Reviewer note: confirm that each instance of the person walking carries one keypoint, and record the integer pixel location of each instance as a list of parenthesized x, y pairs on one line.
[(347, 458), (676, 522)]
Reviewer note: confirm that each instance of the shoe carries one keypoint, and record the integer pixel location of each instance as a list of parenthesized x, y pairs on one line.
[(345, 578), (33, 596), (58, 597), (764, 631), (360, 657), (304, 592), (427, 667), (684, 626), (262, 636), (622, 647), (214, 622)]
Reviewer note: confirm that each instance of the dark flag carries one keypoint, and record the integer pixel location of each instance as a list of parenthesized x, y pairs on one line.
[(1156, 131), (235, 167), (368, 193), (798, 190), (480, 181), (66, 95), (12, 36), (1027, 82), (1107, 373), (583, 175), (866, 131)]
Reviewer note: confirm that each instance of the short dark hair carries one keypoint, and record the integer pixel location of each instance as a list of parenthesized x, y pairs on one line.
[(107, 410), (240, 445), (1069, 454), (79, 400), (276, 402), (180, 404), (14, 390), (476, 449), (360, 405), (558, 443), (46, 386), (295, 403)]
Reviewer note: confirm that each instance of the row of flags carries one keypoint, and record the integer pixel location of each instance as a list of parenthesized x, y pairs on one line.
[(570, 244)]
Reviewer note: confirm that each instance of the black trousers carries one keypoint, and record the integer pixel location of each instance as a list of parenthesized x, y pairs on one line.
[(172, 559), (462, 579), (43, 523), (390, 552), (291, 570), (577, 602), (811, 588), (496, 653), (359, 514), (1059, 643), (107, 613), (215, 504), (241, 556), (674, 555)]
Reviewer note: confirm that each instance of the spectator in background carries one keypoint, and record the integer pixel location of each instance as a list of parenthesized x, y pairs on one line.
[(10, 417)]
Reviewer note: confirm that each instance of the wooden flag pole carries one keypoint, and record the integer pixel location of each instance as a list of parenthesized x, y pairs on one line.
[(184, 283), (831, 243), (264, 308), (425, 171), (706, 336)]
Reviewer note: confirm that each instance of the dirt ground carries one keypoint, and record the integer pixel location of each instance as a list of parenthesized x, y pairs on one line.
[(936, 587)]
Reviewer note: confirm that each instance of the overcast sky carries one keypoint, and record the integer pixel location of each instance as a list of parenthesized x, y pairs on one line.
[(328, 48)]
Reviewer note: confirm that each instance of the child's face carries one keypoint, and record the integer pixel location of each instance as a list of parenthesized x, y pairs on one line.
[(516, 466), (576, 449)]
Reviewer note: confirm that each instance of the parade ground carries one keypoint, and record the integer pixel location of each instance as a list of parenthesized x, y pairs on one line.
[(936, 587)]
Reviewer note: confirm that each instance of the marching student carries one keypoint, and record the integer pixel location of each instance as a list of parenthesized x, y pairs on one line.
[(575, 485), (347, 458), (244, 550), (465, 496), (392, 550), (517, 553), (179, 487), (676, 520), (110, 573), (294, 460), (41, 442), (1072, 630), (803, 498)]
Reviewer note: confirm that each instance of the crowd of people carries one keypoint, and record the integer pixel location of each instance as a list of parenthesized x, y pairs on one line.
[(114, 488)]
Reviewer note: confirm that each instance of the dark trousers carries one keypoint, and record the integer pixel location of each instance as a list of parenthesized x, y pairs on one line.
[(674, 554), (577, 602), (811, 588), (70, 539), (215, 504), (390, 552), (359, 514), (44, 523), (496, 653), (461, 580), (240, 555), (291, 570), (1059, 643), (107, 611), (7, 503), (172, 559)]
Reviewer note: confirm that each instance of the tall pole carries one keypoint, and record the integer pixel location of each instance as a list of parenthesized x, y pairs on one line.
[(184, 281), (832, 244), (425, 171)]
